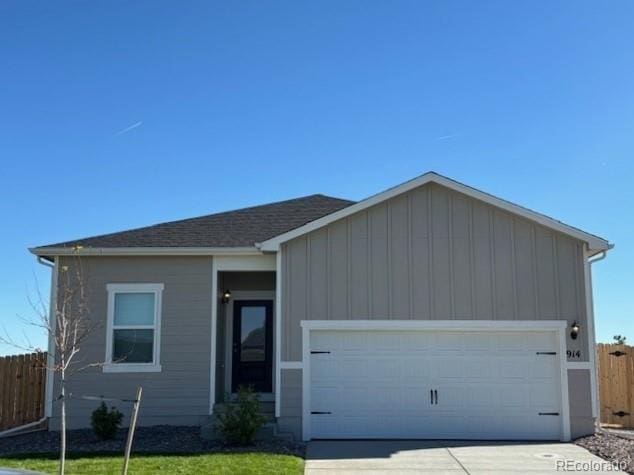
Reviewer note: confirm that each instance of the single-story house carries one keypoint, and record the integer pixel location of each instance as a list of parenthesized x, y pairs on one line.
[(429, 310)]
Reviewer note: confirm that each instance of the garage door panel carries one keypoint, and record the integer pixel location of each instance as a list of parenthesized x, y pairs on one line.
[(512, 367), (384, 398), (386, 368), (543, 397), (384, 341), (449, 396), (415, 399), (326, 426), (511, 342), (478, 343), (543, 368), (474, 426), (414, 426), (447, 343), (447, 425), (514, 396), (376, 384), (354, 399), (414, 344), (355, 341), (325, 397), (542, 342), (325, 339), (415, 369), (447, 368), (351, 369), (325, 369), (481, 396), (478, 367)]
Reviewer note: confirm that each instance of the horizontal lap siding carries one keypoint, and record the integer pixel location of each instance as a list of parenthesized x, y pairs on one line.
[(179, 395), (432, 254)]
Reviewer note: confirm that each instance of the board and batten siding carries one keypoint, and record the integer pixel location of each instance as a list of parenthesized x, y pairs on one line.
[(179, 394), (432, 254)]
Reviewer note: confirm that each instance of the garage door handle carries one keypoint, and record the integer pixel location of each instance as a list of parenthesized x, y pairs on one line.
[(436, 395), (548, 413), (431, 396)]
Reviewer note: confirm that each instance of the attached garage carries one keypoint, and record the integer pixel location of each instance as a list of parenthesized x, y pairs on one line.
[(435, 380)]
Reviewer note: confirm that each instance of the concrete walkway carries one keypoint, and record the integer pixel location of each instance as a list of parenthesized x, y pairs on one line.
[(449, 457)]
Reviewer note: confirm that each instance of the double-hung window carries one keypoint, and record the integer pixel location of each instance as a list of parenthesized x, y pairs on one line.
[(134, 327)]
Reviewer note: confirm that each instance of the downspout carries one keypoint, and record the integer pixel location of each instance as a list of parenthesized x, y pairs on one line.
[(596, 407), (18, 430), (602, 255), (44, 262), (50, 358)]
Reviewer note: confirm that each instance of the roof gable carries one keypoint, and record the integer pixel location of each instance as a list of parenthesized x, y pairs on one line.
[(595, 243)]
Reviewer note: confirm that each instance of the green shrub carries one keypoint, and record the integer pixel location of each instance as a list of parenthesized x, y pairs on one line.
[(242, 419), (105, 422)]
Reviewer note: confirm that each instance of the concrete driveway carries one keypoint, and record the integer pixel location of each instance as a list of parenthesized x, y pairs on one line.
[(450, 457)]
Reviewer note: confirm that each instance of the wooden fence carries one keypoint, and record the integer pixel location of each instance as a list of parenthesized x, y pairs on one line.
[(616, 377), (22, 384)]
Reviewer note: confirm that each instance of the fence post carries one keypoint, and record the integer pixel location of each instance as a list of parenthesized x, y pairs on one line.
[(128, 445)]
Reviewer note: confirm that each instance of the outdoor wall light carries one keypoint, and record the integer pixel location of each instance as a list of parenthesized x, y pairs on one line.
[(574, 330), (226, 295)]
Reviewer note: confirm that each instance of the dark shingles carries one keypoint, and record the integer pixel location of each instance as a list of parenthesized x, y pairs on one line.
[(242, 227)]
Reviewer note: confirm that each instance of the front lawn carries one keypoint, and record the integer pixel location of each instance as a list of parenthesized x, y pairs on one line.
[(221, 463)]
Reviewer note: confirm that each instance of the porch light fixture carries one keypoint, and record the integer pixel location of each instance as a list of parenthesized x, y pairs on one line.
[(226, 296), (574, 330)]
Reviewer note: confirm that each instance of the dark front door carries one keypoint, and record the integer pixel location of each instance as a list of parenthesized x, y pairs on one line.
[(253, 345)]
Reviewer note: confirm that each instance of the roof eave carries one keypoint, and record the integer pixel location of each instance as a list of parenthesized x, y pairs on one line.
[(598, 249), (145, 251)]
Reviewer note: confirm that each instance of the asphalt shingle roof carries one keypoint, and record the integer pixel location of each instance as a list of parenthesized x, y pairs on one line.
[(238, 228)]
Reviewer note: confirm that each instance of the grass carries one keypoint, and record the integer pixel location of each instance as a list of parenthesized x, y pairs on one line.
[(219, 463)]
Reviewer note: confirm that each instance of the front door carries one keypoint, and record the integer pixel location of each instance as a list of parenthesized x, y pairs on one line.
[(253, 345)]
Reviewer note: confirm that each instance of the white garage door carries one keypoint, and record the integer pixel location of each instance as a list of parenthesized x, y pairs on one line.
[(432, 384)]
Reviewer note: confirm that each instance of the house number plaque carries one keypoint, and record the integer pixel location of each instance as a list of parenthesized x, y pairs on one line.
[(573, 354)]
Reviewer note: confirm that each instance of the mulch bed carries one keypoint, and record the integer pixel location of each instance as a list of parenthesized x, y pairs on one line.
[(610, 447), (156, 439)]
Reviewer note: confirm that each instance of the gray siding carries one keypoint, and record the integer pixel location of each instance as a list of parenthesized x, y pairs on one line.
[(290, 419), (580, 398), (432, 254), (178, 395)]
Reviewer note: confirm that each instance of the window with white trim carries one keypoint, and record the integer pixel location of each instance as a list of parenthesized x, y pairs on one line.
[(134, 327)]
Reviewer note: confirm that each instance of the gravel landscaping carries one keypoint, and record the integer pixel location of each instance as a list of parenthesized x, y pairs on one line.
[(157, 439), (610, 447)]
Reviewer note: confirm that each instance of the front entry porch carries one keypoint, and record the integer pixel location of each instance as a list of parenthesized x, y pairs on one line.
[(245, 342)]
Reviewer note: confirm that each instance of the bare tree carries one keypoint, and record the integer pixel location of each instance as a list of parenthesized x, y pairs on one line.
[(67, 326)]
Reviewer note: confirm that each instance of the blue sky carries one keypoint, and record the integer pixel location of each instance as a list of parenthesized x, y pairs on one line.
[(120, 114)]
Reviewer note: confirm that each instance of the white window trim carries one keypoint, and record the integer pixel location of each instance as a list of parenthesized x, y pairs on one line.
[(155, 366)]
